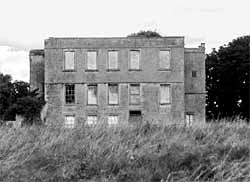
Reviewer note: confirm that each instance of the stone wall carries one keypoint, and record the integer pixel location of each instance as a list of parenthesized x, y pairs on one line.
[(149, 77), (195, 94), (37, 70), (150, 107)]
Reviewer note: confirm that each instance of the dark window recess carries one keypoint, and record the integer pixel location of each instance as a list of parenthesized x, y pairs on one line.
[(70, 94), (135, 116), (194, 74)]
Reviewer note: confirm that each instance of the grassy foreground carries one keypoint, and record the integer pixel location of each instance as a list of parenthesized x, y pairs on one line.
[(208, 152)]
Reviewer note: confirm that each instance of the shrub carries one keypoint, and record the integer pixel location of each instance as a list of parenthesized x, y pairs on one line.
[(28, 107)]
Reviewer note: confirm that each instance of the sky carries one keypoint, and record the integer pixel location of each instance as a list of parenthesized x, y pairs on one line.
[(24, 24)]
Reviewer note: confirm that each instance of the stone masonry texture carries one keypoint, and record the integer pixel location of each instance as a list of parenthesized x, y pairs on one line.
[(187, 93)]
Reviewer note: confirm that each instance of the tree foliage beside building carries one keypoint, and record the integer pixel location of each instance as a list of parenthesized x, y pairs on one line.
[(17, 98), (227, 80), (6, 95)]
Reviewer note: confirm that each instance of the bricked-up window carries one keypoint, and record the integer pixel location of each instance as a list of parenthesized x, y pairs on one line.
[(113, 96), (112, 60), (134, 63), (92, 94), (113, 120), (189, 119), (69, 93), (165, 59), (69, 60), (69, 121), (194, 74), (92, 119), (165, 94), (134, 94), (91, 60)]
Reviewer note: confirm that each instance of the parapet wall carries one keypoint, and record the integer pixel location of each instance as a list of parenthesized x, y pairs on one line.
[(117, 42)]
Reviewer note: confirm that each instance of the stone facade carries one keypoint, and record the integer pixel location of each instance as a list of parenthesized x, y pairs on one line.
[(186, 78)]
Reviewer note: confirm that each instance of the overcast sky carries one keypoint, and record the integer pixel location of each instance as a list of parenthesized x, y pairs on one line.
[(24, 24)]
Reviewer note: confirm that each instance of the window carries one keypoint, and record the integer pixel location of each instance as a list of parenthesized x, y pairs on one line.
[(165, 59), (189, 119), (92, 120), (113, 94), (69, 60), (135, 116), (112, 60), (91, 60), (113, 120), (92, 94), (70, 94), (69, 121), (134, 92), (134, 63), (194, 74), (164, 94)]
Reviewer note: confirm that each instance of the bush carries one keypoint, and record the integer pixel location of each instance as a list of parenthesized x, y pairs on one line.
[(28, 107)]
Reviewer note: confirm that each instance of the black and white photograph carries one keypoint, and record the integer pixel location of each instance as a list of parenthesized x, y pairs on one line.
[(124, 91)]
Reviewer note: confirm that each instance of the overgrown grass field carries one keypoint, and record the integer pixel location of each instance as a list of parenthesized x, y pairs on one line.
[(206, 152)]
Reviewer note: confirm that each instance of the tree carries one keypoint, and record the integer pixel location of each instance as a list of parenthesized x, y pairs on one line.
[(145, 34), (227, 80), (29, 108), (6, 94), (17, 98)]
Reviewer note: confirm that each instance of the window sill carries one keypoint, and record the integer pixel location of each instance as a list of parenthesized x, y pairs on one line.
[(91, 70), (69, 70), (113, 104), (165, 104), (113, 70), (161, 69), (131, 104), (134, 69), (69, 104), (92, 105)]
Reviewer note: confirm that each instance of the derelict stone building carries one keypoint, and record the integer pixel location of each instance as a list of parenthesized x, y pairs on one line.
[(120, 80)]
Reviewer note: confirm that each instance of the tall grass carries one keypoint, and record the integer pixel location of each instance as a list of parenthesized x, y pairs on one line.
[(206, 152)]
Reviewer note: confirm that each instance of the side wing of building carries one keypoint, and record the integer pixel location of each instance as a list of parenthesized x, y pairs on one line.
[(195, 94), (37, 66)]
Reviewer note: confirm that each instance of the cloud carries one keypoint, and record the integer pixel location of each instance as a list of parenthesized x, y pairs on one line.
[(202, 10), (15, 62), (194, 40), (18, 45)]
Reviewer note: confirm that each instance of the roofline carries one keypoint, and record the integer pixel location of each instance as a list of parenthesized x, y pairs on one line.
[(191, 50), (36, 52), (116, 37)]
